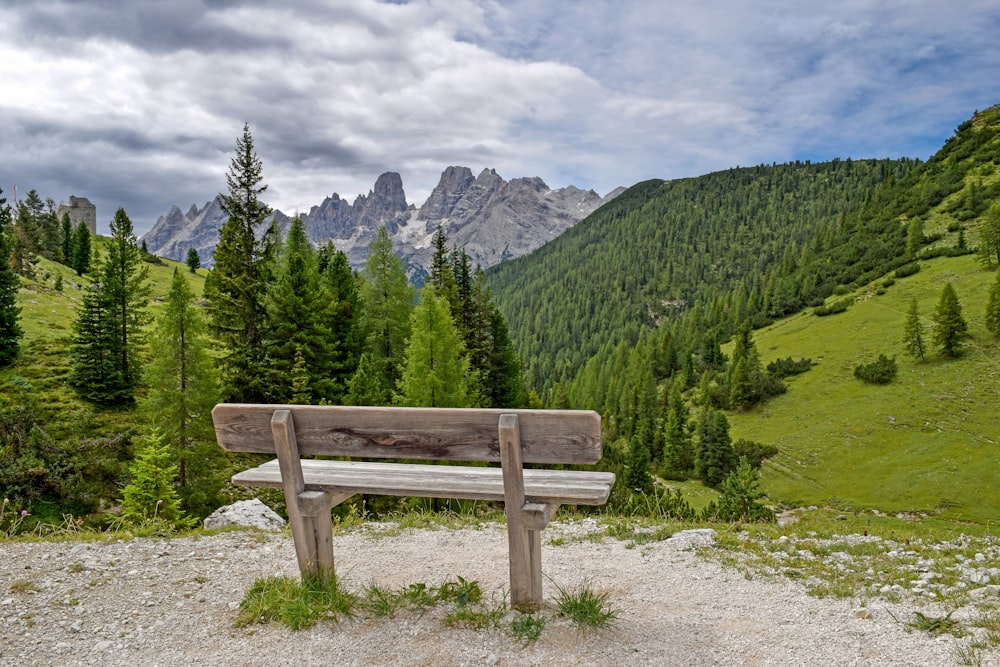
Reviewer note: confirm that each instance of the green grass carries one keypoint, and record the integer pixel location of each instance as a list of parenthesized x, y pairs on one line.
[(586, 608), (924, 443)]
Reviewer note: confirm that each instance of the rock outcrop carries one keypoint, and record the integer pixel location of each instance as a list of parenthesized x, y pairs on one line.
[(491, 218)]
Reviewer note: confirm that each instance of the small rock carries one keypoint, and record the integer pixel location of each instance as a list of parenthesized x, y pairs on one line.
[(692, 538), (101, 646), (863, 613), (251, 513)]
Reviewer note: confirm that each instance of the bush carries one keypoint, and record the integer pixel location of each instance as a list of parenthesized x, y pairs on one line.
[(881, 371), (907, 270), (786, 367), (753, 452), (832, 308)]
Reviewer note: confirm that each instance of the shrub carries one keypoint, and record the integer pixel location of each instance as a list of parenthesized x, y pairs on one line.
[(753, 452), (782, 368), (881, 371), (907, 270), (832, 308)]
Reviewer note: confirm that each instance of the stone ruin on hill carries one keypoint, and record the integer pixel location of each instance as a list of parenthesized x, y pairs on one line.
[(80, 210)]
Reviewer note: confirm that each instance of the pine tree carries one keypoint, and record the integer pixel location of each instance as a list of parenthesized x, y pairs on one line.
[(678, 460), (950, 326), (183, 388), (151, 496), (992, 318), (92, 349), (502, 382), (714, 457), (388, 299), (79, 253), (66, 239), (436, 371), (235, 288), (342, 318), (107, 334), (637, 477), (442, 274), (124, 285), (295, 306), (913, 338), (10, 313), (193, 260)]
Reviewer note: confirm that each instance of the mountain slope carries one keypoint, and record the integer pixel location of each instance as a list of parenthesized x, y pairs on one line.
[(926, 442), (658, 248)]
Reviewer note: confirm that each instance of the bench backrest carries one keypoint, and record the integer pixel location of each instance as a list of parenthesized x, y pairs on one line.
[(449, 434)]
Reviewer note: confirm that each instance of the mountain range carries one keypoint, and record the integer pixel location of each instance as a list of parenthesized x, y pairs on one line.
[(491, 218)]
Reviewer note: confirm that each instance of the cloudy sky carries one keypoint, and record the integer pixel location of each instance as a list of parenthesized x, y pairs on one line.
[(139, 104)]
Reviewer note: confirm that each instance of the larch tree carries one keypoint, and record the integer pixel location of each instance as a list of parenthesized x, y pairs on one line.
[(183, 388), (913, 337), (436, 370), (10, 313), (235, 288), (193, 261), (388, 299), (950, 327), (989, 237)]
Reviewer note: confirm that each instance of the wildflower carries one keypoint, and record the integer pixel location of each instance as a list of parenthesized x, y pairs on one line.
[(24, 512)]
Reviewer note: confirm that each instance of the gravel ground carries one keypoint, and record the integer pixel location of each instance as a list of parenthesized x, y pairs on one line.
[(174, 602)]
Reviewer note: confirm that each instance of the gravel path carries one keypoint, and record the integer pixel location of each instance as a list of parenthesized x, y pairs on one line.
[(173, 602)]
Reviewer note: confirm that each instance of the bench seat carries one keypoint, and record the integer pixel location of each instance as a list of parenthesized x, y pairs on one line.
[(565, 487)]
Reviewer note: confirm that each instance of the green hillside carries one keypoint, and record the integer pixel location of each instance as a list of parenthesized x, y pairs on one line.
[(927, 442), (663, 246)]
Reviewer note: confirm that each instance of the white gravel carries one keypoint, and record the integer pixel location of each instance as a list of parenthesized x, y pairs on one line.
[(173, 602)]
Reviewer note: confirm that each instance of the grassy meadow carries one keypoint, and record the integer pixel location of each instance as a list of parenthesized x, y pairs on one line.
[(929, 442)]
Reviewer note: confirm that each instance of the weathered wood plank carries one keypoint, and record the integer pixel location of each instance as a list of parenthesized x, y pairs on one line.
[(569, 487), (517, 535), (312, 554), (456, 434)]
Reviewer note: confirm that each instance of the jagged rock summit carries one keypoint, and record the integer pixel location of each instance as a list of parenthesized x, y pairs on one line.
[(491, 218)]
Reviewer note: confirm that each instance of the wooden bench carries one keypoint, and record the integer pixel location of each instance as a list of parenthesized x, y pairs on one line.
[(511, 437)]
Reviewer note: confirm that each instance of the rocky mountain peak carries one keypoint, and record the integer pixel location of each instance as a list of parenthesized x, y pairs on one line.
[(492, 219)]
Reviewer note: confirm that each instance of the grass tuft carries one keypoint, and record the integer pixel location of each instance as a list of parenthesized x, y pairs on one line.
[(586, 608)]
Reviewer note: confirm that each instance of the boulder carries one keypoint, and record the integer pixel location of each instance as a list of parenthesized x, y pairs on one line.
[(252, 513)]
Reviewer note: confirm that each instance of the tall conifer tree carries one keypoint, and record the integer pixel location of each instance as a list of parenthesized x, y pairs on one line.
[(913, 336), (436, 371), (295, 324), (950, 326), (108, 331), (236, 286), (388, 298), (182, 391)]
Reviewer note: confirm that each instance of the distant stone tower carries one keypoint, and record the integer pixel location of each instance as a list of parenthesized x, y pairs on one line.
[(79, 209)]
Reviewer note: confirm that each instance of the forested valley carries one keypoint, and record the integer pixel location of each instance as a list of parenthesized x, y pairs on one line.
[(648, 311)]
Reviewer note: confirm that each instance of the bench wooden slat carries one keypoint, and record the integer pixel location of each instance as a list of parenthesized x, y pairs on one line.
[(568, 487), (454, 434)]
